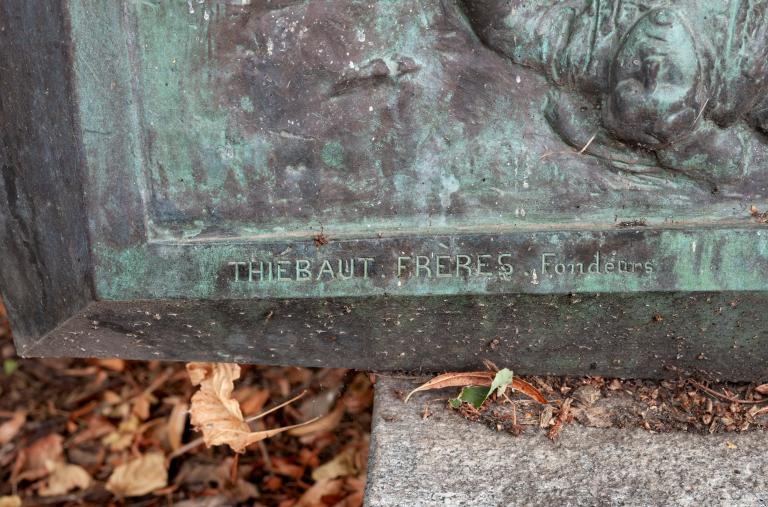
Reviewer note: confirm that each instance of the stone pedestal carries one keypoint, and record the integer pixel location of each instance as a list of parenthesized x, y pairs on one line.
[(445, 460)]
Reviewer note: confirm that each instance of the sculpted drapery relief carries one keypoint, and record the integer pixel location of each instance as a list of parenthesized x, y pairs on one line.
[(650, 85), (412, 111)]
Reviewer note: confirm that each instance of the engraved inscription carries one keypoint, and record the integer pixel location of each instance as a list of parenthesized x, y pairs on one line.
[(454, 266), (301, 270), (551, 263), (431, 266)]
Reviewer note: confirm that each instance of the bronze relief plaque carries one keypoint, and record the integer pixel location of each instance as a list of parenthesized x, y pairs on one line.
[(399, 184)]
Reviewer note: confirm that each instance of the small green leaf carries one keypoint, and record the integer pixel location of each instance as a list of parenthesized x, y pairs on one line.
[(10, 366), (501, 381), (474, 395)]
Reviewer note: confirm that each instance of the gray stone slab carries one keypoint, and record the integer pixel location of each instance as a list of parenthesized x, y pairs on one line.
[(445, 460)]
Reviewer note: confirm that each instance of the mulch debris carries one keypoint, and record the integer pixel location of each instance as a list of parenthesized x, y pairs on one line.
[(100, 432), (658, 406)]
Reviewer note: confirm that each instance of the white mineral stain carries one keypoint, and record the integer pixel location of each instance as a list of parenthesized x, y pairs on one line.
[(226, 152), (450, 186)]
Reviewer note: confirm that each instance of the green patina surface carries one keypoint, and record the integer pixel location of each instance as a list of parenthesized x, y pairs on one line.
[(670, 260), (532, 183), (247, 128)]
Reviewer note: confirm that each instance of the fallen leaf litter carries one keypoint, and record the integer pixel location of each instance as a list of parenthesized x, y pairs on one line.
[(659, 406), (99, 432)]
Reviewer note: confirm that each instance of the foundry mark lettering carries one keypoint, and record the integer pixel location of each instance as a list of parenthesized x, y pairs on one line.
[(430, 266)]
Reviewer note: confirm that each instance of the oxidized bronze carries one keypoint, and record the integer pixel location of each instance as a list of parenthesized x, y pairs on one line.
[(648, 86), (559, 186)]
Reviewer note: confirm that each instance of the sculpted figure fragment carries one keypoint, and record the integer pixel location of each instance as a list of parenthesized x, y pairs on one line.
[(648, 85)]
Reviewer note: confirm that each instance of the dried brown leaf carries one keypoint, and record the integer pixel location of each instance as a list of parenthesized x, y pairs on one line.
[(455, 379), (10, 428), (319, 404), (340, 466), (176, 423), (97, 427), (64, 478), (213, 410), (142, 404), (356, 487), (352, 500), (200, 371), (123, 436), (112, 364), (527, 389), (326, 423), (10, 501), (762, 389), (287, 468), (313, 497), (140, 476), (252, 399), (112, 398), (476, 378), (218, 500), (33, 460), (216, 413), (359, 394), (563, 417)]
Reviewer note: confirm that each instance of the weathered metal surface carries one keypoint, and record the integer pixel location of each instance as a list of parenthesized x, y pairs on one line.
[(614, 260), (282, 116), (719, 335), (45, 272), (243, 153)]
